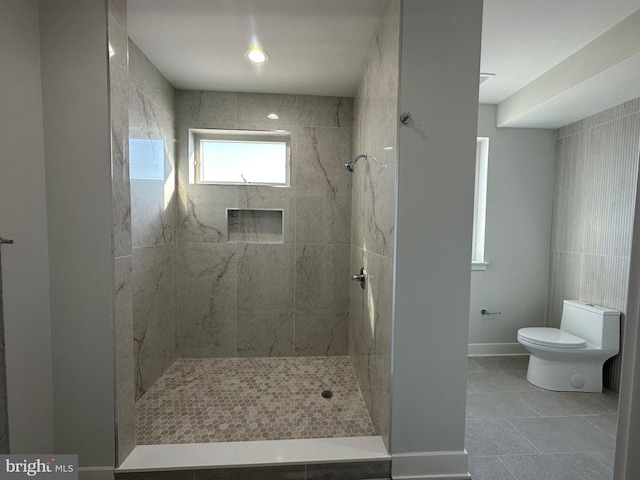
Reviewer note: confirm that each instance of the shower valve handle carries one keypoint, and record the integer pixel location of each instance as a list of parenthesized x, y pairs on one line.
[(362, 277)]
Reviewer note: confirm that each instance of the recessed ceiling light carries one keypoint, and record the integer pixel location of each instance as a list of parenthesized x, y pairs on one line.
[(256, 55), (273, 116)]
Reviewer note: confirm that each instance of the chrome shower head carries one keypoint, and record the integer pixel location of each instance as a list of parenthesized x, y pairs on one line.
[(350, 166)]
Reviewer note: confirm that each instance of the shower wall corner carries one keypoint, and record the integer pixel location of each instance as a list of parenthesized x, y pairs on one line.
[(373, 219)]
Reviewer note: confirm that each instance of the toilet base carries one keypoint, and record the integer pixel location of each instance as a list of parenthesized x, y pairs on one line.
[(566, 375)]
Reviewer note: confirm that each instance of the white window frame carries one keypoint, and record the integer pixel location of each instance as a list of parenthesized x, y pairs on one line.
[(196, 136), (478, 261)]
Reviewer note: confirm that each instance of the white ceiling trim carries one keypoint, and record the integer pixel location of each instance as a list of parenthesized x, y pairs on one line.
[(586, 78)]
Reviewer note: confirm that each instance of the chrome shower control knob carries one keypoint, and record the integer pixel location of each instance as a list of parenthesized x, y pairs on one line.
[(362, 278)]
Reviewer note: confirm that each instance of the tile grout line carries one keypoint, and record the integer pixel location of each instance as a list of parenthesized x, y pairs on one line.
[(605, 466), (505, 466), (517, 394), (523, 435)]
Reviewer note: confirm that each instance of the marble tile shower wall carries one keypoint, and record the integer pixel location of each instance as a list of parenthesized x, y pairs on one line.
[(241, 298), (373, 219), (119, 95), (153, 218), (593, 208)]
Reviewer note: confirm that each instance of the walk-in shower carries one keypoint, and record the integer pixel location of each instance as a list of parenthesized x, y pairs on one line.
[(246, 326)]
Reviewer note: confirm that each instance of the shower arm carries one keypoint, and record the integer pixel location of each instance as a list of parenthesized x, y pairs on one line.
[(350, 166)]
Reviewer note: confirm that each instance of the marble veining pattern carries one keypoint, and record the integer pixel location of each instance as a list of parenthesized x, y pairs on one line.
[(243, 399), (594, 199), (207, 300), (268, 317), (146, 77), (265, 299), (317, 170), (119, 99), (322, 299), (125, 374), (122, 245), (152, 200), (373, 219), (203, 214), (154, 313), (153, 217), (325, 111), (198, 107)]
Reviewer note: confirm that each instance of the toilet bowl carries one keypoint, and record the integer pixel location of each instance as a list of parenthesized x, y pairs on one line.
[(570, 358)]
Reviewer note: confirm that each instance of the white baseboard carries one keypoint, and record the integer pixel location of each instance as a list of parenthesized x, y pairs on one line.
[(430, 466), (95, 473), (480, 349)]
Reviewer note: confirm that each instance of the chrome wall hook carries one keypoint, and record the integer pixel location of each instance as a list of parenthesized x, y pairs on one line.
[(405, 118)]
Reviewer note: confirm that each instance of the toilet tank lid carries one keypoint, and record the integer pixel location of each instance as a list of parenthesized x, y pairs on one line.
[(590, 307)]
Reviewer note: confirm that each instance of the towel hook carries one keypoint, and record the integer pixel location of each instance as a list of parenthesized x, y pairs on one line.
[(405, 117)]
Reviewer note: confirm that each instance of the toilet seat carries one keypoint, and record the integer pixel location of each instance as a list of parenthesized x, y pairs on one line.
[(551, 337)]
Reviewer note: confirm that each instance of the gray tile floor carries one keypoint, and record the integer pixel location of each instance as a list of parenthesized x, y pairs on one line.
[(517, 431), (202, 400)]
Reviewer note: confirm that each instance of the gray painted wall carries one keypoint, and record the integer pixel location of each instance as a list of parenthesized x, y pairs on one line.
[(74, 59), (23, 219), (439, 69), (593, 209), (518, 230)]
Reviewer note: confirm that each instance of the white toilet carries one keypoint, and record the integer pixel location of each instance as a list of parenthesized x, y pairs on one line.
[(571, 358)]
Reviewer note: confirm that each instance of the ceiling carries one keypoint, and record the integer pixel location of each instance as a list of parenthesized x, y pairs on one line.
[(554, 61)]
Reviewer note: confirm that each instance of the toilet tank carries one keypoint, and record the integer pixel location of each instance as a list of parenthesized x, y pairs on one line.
[(599, 326)]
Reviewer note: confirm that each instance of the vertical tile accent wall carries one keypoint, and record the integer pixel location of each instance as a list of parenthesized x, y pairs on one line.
[(593, 207), (373, 219), (239, 298), (153, 213), (119, 98)]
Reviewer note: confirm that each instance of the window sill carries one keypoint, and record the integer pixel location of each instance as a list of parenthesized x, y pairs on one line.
[(479, 265)]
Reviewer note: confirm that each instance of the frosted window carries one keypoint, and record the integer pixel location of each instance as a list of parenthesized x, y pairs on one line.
[(242, 157)]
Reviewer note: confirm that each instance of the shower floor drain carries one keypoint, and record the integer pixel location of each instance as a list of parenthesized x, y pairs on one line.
[(327, 394)]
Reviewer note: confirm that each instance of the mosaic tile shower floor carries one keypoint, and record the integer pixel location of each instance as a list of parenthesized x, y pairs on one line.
[(203, 400)]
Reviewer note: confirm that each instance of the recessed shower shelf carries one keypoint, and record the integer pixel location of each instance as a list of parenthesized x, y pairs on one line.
[(258, 225)]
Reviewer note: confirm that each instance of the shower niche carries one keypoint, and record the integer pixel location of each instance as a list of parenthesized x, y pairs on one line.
[(259, 225)]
